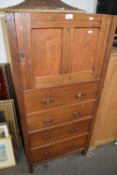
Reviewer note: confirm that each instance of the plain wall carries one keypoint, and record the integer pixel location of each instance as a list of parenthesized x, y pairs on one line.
[(88, 5)]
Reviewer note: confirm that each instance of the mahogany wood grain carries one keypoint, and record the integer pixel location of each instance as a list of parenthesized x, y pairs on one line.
[(36, 100), (49, 118)]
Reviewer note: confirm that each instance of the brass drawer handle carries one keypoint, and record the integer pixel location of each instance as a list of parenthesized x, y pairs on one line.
[(80, 95), (48, 121), (72, 146), (74, 130), (47, 101), (48, 137), (22, 55), (76, 114), (46, 154)]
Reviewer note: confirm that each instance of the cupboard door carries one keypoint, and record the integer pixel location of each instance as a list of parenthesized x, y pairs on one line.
[(87, 49), (46, 52), (41, 50), (59, 52), (84, 49)]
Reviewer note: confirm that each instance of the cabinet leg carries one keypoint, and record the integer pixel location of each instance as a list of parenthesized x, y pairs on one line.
[(84, 152), (31, 169)]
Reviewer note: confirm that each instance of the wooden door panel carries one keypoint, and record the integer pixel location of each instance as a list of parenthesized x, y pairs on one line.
[(60, 54), (46, 52), (84, 49)]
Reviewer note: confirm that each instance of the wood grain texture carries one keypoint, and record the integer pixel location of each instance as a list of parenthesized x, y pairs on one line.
[(44, 99), (105, 56), (106, 122), (55, 150), (40, 138), (50, 56), (58, 74), (46, 51), (16, 74), (107, 109), (23, 27), (85, 45), (53, 117)]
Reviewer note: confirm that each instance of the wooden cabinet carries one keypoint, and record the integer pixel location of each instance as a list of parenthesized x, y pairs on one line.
[(105, 129), (106, 122), (57, 59), (52, 54)]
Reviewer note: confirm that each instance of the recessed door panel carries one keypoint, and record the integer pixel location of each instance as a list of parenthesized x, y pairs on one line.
[(46, 52), (84, 49)]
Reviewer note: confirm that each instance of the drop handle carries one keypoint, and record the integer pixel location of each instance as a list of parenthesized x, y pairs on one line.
[(76, 114), (46, 154), (48, 121), (47, 101), (80, 95), (48, 137), (74, 130), (72, 146)]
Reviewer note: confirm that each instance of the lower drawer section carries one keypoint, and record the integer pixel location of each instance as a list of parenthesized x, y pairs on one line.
[(50, 118), (57, 149), (58, 133)]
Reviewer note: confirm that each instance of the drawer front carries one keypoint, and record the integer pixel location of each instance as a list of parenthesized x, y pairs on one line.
[(43, 99), (58, 149), (48, 17), (62, 19), (59, 133), (58, 116)]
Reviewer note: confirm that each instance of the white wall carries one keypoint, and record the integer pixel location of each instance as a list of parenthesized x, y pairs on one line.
[(3, 55), (88, 5), (8, 3), (4, 49)]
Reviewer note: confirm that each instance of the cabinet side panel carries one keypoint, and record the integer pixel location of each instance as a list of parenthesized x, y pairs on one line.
[(99, 137), (17, 78), (107, 22)]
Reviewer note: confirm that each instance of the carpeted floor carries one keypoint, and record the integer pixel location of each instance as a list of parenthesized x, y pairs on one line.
[(102, 161)]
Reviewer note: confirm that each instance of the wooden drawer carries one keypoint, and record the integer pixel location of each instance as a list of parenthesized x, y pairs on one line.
[(43, 99), (46, 119), (59, 133), (57, 149), (55, 19)]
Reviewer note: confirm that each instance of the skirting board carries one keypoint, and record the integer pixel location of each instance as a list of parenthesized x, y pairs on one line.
[(102, 142)]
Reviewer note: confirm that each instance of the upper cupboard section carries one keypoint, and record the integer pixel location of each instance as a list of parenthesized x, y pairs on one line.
[(58, 48)]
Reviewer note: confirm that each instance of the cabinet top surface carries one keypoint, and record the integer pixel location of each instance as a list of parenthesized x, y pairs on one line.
[(42, 6)]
